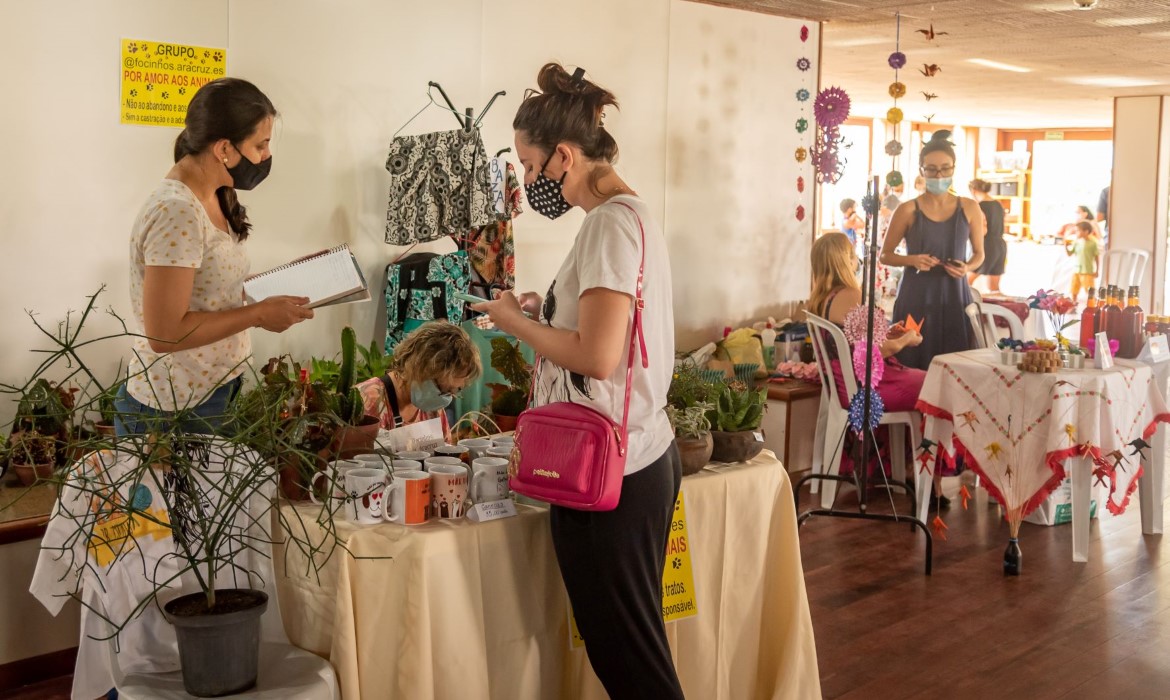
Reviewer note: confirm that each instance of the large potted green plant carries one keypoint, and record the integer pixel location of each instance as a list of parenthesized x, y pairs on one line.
[(736, 419), (510, 399), (692, 435), (213, 496)]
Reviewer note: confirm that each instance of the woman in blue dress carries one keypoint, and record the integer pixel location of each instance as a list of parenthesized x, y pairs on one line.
[(944, 241)]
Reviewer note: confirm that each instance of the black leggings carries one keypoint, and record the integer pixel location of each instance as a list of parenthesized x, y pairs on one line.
[(611, 563)]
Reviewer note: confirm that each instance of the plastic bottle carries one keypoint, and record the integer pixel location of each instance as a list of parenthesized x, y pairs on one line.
[(1135, 321), (1089, 319)]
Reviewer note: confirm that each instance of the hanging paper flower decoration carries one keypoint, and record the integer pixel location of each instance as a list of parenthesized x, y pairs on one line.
[(894, 147), (800, 184), (894, 115), (802, 95), (894, 178), (803, 64), (825, 155), (857, 409), (897, 89), (800, 213), (869, 204), (801, 154), (857, 321), (879, 365), (801, 125), (897, 60), (831, 107), (804, 33)]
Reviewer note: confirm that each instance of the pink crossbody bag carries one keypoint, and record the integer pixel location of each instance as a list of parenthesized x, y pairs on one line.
[(571, 455)]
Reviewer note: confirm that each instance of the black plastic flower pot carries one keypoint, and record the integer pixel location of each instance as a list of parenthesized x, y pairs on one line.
[(219, 650)]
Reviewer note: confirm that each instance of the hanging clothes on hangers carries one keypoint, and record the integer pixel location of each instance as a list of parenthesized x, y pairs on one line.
[(439, 186), (491, 249)]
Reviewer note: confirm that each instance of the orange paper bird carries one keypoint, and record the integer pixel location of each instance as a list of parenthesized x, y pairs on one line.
[(968, 417), (930, 34), (930, 69), (1071, 431), (928, 95), (994, 450), (939, 527), (965, 495), (911, 325)]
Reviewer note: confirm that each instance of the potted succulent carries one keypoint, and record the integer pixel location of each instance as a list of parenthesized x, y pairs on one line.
[(736, 420), (41, 430), (692, 435), (510, 399)]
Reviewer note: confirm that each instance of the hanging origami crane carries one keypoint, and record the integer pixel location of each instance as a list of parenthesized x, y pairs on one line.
[(1139, 445), (939, 528), (925, 458), (994, 450), (968, 417), (1101, 473), (928, 95), (928, 117), (930, 34), (1071, 431), (965, 495), (930, 69), (1116, 456)]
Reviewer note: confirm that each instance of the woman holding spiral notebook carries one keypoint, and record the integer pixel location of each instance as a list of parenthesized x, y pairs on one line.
[(188, 264)]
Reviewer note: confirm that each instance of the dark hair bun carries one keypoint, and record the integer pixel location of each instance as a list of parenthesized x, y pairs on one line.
[(941, 136), (567, 108)]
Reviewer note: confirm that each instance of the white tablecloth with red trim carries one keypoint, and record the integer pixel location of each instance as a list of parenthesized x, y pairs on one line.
[(1017, 429)]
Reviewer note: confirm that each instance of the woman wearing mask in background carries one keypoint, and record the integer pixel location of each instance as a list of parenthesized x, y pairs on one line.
[(188, 263), (431, 367), (611, 561), (939, 228), (994, 246)]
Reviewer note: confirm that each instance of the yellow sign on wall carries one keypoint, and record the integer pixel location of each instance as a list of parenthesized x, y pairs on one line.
[(678, 580), (159, 79)]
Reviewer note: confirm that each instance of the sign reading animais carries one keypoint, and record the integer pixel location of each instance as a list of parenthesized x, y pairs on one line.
[(159, 79)]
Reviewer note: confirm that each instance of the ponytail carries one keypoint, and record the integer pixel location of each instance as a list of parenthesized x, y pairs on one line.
[(236, 213)]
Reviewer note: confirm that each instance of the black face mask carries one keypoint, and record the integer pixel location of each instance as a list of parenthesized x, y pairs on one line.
[(544, 194), (246, 174)]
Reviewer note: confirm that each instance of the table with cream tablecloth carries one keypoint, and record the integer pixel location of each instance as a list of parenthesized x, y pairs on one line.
[(1018, 430), (466, 610)]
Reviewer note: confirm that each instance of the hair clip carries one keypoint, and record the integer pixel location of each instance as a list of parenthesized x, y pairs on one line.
[(578, 76)]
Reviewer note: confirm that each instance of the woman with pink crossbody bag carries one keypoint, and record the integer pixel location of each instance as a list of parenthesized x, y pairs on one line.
[(597, 444)]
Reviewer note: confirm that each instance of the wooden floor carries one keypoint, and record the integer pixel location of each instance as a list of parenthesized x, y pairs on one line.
[(1061, 630), (56, 689)]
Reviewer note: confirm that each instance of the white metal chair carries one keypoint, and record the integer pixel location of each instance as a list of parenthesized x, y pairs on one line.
[(982, 317), (830, 438), (1125, 267)]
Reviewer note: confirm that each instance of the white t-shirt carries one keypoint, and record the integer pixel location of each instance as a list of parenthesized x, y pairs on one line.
[(606, 254), (173, 230)]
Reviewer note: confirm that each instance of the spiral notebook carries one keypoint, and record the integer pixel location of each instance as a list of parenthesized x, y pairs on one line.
[(329, 277)]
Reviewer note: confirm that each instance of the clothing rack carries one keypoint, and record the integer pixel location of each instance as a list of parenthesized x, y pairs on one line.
[(466, 121), (860, 477)]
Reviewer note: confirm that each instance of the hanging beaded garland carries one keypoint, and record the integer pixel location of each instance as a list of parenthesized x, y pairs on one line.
[(801, 125), (857, 410), (831, 109), (894, 147), (894, 178), (801, 154)]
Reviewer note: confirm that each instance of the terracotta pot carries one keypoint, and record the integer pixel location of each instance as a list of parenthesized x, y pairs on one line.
[(105, 429), (695, 452), (735, 447), (356, 439), (29, 473), (506, 423), (294, 482)]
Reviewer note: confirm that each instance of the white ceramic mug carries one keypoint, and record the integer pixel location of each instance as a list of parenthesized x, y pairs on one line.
[(448, 491), (500, 452), (373, 460), (408, 499), (405, 465), (434, 462), (489, 479), (477, 446), (418, 456), (334, 476), (366, 489), (504, 441), (457, 451)]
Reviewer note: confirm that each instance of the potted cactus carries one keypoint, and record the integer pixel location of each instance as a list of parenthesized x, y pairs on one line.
[(357, 431), (736, 420)]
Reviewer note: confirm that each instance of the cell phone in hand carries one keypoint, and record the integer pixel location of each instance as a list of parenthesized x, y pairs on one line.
[(469, 298), (953, 262)]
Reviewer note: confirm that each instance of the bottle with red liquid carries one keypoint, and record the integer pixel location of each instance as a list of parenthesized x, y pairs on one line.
[(1101, 296), (1135, 321), (1111, 320), (1089, 319)]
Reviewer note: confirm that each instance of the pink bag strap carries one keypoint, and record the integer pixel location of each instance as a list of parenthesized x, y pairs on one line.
[(637, 339)]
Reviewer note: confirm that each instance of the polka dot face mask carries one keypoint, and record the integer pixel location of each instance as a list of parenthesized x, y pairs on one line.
[(544, 194)]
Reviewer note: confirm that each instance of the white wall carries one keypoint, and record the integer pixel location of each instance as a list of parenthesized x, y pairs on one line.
[(1137, 209), (716, 166)]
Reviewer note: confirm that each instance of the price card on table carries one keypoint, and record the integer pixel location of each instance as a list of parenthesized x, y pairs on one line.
[(1102, 355), (492, 510), (1155, 351)]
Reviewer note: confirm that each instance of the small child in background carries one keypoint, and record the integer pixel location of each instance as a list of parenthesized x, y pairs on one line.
[(1087, 252)]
